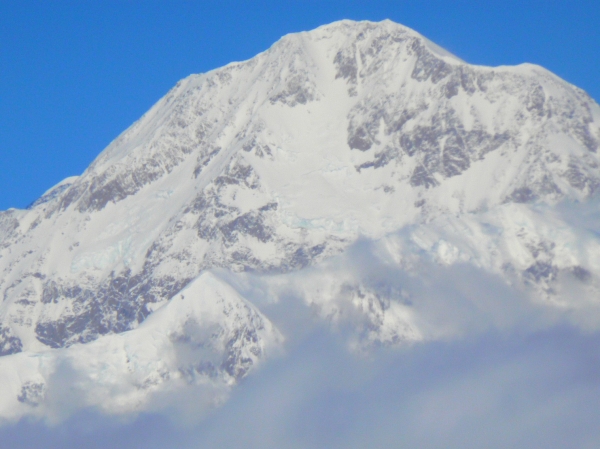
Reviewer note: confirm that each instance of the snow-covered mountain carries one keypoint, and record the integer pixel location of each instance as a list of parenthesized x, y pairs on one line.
[(270, 172)]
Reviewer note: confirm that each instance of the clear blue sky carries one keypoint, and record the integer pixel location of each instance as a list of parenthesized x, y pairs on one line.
[(74, 74)]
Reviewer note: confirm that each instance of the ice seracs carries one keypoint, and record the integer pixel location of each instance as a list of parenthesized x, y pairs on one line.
[(355, 130)]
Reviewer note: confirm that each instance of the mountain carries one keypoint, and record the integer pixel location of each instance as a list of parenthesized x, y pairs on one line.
[(263, 180)]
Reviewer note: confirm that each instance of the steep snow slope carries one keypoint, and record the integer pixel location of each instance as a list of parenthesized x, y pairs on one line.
[(351, 131)]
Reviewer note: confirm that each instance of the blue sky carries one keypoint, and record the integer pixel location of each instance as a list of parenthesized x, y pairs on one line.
[(73, 75)]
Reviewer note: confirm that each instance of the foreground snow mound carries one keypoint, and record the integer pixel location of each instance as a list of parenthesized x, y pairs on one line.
[(354, 132), (206, 335)]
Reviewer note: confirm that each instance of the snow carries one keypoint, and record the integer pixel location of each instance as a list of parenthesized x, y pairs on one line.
[(248, 169), (121, 373), (69, 180)]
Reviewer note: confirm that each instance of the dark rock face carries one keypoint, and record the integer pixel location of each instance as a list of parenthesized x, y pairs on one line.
[(219, 221), (541, 271), (303, 257), (359, 139), (229, 345), (523, 195), (584, 135), (9, 344), (443, 148), (347, 68), (117, 305), (381, 159), (53, 194), (296, 92), (114, 184), (234, 363), (428, 67), (32, 393), (455, 155), (9, 225), (577, 178), (250, 223), (297, 87), (536, 101), (421, 177)]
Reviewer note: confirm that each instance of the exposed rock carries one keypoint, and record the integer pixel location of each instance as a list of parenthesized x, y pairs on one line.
[(9, 343), (251, 170)]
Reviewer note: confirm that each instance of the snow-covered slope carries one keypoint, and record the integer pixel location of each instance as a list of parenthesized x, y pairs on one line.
[(206, 334), (351, 132)]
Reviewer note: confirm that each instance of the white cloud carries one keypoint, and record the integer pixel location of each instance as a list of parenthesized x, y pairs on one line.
[(493, 368)]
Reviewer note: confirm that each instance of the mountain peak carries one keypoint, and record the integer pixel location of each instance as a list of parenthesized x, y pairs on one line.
[(355, 131)]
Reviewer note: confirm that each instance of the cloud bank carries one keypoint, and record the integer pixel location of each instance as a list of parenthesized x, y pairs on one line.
[(496, 391), (480, 362)]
